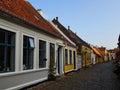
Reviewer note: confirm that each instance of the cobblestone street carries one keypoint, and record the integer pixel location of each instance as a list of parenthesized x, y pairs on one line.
[(97, 77)]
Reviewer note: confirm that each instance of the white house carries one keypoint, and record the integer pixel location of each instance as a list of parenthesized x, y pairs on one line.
[(27, 45), (75, 40), (69, 52)]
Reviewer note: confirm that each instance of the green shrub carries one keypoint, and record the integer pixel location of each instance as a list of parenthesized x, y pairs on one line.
[(51, 76)]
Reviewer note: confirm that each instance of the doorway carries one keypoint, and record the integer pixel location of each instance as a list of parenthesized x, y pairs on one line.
[(60, 60)]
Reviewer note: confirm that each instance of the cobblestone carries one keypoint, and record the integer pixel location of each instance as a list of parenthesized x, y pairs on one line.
[(97, 77)]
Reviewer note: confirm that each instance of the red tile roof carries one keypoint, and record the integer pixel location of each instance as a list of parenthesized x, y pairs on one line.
[(102, 49), (25, 11), (97, 51)]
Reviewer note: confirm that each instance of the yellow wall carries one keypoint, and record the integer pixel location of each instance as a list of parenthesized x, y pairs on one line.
[(105, 56), (68, 67), (86, 52)]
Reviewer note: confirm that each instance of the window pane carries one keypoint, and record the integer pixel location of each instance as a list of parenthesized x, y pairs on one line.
[(70, 55), (31, 42), (25, 41), (2, 36), (66, 56), (25, 58), (74, 58), (52, 53), (30, 59), (2, 58), (10, 64), (28, 52), (7, 51), (74, 55), (42, 54), (11, 38)]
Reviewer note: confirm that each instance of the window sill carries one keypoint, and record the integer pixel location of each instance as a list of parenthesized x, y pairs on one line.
[(21, 72)]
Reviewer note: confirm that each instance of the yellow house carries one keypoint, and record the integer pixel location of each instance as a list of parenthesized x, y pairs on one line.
[(86, 54), (69, 58)]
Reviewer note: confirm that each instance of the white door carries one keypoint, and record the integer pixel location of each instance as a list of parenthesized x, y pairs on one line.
[(79, 58)]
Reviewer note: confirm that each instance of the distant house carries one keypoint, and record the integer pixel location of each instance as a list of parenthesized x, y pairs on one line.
[(111, 54), (96, 55), (86, 53), (28, 44), (93, 57), (104, 53)]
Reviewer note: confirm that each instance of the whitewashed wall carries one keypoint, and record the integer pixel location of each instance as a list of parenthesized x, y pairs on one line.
[(21, 78)]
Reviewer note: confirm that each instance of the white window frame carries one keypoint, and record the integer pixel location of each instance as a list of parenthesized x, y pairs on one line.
[(34, 55), (46, 52), (16, 47)]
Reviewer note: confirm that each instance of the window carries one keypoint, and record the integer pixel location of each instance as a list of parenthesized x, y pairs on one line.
[(28, 52), (7, 51), (74, 55), (42, 54), (36, 17), (52, 54), (70, 54), (66, 56), (74, 58)]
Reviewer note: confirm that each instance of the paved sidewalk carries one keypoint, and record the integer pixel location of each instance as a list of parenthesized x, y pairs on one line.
[(97, 77)]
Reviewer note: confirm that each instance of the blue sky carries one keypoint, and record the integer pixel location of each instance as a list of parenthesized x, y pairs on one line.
[(95, 21)]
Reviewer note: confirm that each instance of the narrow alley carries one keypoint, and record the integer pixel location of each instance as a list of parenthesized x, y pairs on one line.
[(97, 77)]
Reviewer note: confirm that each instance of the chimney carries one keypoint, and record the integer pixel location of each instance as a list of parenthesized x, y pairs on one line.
[(57, 18), (68, 27), (40, 11)]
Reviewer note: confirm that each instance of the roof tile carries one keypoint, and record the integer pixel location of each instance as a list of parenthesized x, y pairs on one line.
[(24, 10)]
